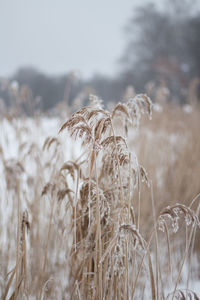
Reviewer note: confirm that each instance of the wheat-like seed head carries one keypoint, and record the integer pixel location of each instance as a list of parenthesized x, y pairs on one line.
[(138, 240), (49, 141), (72, 168), (183, 295), (144, 176), (121, 108), (116, 145), (48, 188), (173, 213), (102, 125)]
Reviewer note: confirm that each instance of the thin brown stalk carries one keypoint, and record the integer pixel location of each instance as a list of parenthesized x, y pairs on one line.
[(47, 242)]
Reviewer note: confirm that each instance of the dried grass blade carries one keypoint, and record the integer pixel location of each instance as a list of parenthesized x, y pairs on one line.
[(9, 283), (153, 289)]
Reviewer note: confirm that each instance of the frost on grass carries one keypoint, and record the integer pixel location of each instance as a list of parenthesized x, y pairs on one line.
[(183, 295), (174, 212)]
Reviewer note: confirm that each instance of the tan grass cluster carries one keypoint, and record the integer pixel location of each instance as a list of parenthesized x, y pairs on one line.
[(88, 228)]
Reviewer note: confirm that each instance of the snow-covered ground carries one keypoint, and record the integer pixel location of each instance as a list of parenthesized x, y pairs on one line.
[(23, 155)]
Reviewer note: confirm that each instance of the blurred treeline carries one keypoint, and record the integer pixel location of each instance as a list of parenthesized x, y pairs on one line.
[(162, 53)]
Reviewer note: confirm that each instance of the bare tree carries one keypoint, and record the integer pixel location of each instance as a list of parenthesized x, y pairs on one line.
[(163, 43)]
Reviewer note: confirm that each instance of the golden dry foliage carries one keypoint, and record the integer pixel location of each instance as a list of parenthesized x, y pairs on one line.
[(93, 222)]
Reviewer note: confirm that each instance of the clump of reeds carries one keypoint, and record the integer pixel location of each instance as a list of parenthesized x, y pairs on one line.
[(90, 237), (107, 241), (103, 219)]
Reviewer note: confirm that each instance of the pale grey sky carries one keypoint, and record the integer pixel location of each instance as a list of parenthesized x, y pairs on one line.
[(57, 36)]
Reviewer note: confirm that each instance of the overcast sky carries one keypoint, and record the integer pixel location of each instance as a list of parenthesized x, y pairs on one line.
[(57, 36)]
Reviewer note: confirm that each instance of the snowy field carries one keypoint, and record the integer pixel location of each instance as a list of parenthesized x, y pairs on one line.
[(32, 155)]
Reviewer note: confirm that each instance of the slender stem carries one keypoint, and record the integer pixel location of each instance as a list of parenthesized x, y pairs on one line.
[(183, 261), (18, 239), (139, 200), (98, 232), (47, 241), (118, 165), (193, 230), (75, 204), (156, 238)]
